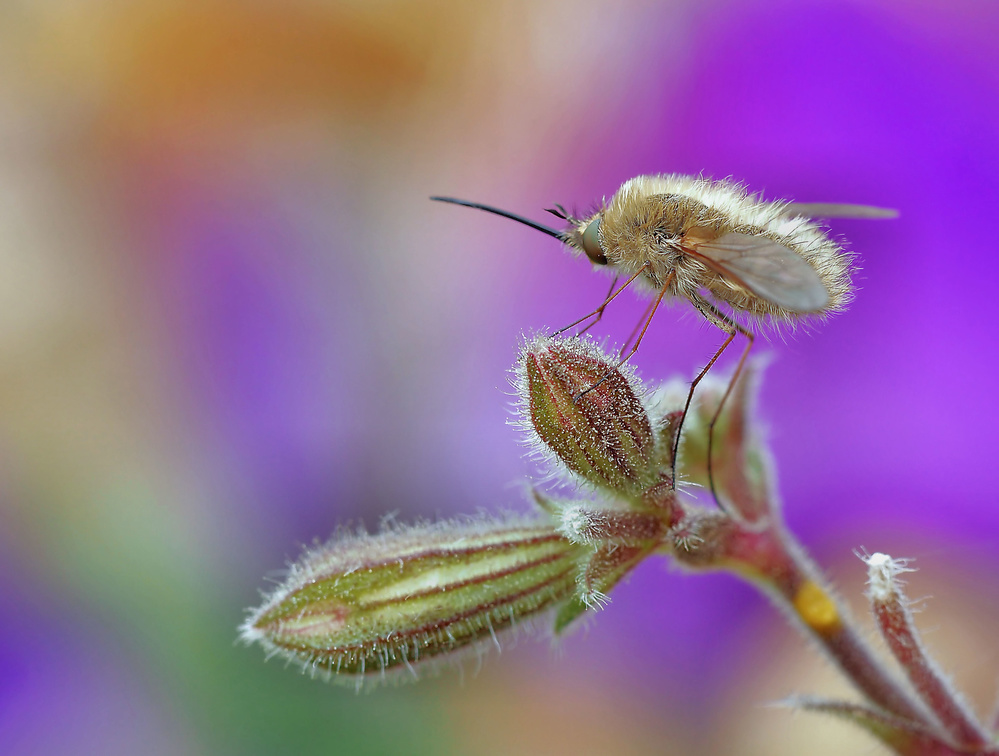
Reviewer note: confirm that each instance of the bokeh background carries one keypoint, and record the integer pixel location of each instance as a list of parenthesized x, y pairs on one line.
[(230, 319)]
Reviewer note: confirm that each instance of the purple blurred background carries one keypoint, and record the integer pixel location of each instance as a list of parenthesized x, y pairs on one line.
[(231, 319)]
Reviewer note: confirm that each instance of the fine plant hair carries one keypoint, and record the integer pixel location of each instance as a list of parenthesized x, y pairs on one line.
[(629, 465), (408, 601)]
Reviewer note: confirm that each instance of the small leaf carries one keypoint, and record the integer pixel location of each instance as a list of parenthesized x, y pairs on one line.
[(903, 737)]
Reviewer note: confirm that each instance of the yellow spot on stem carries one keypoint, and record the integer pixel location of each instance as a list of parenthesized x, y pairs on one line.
[(816, 608)]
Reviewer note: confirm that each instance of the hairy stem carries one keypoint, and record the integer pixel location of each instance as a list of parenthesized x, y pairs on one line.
[(824, 617), (770, 558), (894, 619)]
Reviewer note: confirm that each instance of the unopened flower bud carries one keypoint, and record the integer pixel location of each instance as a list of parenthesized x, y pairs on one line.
[(740, 463), (586, 412), (366, 605)]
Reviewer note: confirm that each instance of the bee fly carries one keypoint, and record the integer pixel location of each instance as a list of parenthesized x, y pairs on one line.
[(711, 243)]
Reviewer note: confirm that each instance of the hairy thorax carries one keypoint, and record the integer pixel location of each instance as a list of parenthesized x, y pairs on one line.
[(640, 230)]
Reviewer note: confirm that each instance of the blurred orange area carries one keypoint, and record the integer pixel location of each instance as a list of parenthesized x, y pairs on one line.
[(158, 60), (196, 53)]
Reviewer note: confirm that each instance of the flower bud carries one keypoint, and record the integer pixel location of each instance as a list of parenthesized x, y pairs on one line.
[(586, 412), (740, 461), (365, 605)]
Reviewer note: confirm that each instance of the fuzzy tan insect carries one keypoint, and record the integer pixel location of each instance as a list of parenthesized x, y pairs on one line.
[(711, 242)]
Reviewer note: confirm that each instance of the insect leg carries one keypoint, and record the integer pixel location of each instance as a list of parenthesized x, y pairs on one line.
[(648, 319), (599, 311), (728, 390), (634, 331), (717, 318)]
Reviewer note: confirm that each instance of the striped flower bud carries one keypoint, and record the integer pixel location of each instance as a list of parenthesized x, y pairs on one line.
[(586, 412), (367, 605)]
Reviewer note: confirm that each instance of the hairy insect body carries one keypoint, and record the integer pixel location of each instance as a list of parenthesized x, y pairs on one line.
[(657, 224), (711, 242)]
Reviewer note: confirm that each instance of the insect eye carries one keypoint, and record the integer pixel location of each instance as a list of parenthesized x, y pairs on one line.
[(591, 243)]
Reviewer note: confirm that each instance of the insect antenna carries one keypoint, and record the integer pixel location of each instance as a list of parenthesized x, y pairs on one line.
[(506, 214)]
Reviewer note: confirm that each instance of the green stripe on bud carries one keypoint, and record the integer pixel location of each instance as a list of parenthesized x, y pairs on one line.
[(368, 604)]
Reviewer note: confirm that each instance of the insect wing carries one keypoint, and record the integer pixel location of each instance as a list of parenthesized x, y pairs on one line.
[(832, 210), (768, 269)]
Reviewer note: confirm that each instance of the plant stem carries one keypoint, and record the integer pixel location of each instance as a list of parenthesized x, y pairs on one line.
[(768, 556), (824, 617)]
